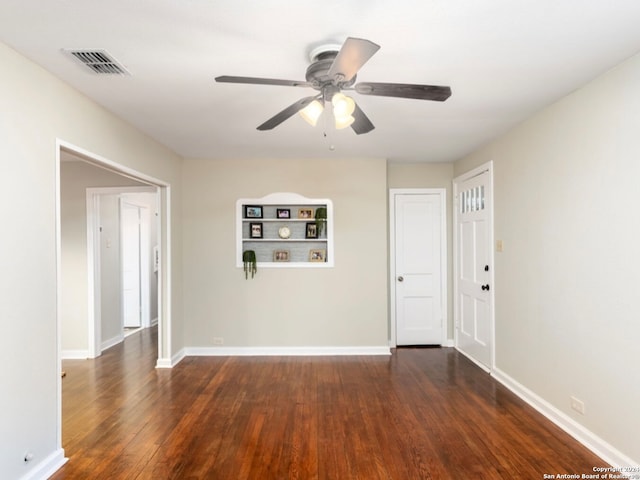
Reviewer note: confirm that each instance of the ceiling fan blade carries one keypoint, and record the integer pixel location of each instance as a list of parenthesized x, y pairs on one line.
[(288, 112), (404, 90), (355, 52), (261, 81), (361, 124)]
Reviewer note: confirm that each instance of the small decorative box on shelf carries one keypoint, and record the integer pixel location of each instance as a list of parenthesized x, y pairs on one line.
[(285, 230)]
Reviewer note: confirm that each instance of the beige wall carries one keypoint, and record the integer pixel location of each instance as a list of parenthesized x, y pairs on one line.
[(341, 306), (75, 178), (36, 109), (566, 208), (430, 175)]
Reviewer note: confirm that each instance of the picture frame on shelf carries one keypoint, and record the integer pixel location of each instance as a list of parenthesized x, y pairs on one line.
[(305, 212), (281, 255), (255, 230), (283, 213), (317, 255), (311, 230), (253, 211)]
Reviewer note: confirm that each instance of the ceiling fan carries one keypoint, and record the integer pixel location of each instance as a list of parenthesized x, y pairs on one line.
[(333, 69)]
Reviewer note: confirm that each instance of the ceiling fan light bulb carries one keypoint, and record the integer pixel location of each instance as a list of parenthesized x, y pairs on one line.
[(312, 112), (343, 105), (344, 121)]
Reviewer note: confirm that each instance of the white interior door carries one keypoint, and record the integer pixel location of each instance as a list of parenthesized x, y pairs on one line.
[(131, 264), (474, 266), (418, 268)]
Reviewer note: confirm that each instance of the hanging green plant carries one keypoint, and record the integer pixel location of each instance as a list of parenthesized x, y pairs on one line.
[(250, 264), (321, 219)]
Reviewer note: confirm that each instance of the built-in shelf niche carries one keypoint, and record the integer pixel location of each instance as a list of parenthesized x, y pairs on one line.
[(262, 226)]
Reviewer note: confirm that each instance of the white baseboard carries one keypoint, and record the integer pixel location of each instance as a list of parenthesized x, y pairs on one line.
[(112, 341), (154, 322), (286, 351), (171, 362), (164, 363), (74, 354), (47, 467), (597, 445), (268, 351)]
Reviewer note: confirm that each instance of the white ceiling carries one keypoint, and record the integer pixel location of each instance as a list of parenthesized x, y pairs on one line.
[(503, 59)]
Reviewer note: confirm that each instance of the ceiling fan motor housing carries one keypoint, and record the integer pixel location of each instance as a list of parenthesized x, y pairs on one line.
[(317, 72)]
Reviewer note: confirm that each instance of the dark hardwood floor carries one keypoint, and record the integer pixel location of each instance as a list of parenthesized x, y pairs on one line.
[(423, 413)]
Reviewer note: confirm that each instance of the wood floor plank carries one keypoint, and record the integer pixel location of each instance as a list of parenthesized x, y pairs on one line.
[(423, 413)]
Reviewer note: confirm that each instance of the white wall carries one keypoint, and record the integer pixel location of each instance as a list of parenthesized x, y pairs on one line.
[(75, 178), (344, 306), (566, 208), (36, 109), (111, 330)]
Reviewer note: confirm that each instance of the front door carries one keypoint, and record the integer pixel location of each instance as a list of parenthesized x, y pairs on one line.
[(419, 265), (474, 267)]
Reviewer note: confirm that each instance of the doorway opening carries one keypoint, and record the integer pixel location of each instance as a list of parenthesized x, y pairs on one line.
[(161, 257), (87, 300)]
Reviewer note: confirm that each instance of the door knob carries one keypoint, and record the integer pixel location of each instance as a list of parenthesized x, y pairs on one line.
[(485, 287), (401, 278)]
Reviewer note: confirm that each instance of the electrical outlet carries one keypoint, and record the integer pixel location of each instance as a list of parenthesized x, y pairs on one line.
[(577, 405), (218, 341)]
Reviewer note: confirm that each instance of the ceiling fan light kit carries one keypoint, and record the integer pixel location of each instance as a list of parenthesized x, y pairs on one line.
[(344, 122), (343, 106), (333, 69), (311, 113)]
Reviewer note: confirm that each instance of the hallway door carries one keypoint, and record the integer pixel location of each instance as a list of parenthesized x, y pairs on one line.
[(419, 266)]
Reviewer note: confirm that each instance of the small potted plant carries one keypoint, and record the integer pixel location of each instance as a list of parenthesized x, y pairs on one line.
[(250, 264), (321, 219)]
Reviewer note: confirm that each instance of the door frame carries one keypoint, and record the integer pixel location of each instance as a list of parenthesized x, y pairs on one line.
[(164, 265), (442, 193), (164, 244), (485, 167), (94, 314)]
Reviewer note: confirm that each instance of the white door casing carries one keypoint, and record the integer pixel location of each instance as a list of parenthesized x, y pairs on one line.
[(473, 266), (418, 266)]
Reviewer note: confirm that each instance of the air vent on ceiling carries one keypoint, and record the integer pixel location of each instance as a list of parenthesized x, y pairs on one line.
[(99, 61)]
